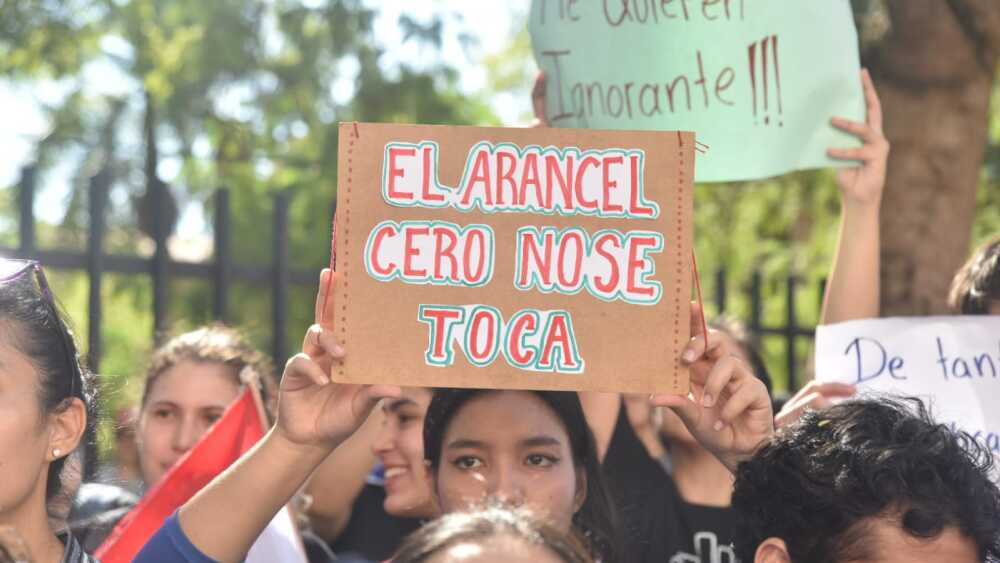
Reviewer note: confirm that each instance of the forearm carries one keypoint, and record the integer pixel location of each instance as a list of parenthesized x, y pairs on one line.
[(852, 291), (224, 519), (336, 484)]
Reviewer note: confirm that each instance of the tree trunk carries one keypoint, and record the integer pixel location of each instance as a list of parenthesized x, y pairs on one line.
[(934, 73)]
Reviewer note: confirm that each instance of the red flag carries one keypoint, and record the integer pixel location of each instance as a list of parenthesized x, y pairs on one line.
[(240, 427)]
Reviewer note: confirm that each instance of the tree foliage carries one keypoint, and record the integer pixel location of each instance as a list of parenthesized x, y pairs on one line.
[(243, 94)]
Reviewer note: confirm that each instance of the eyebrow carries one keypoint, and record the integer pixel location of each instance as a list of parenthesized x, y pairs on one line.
[(534, 441), (398, 404)]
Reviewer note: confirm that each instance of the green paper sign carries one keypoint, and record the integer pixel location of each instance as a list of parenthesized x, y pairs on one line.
[(756, 80)]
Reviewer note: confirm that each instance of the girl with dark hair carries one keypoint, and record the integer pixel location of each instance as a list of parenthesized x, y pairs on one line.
[(728, 411), (525, 448), (494, 533), (43, 408)]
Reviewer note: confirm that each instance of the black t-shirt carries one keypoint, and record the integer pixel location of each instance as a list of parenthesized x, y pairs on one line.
[(372, 533), (658, 525)]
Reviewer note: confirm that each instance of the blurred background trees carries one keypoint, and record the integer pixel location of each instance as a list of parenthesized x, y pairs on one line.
[(247, 94)]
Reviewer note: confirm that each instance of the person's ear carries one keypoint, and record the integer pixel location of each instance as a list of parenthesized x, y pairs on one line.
[(66, 426), (581, 489), (772, 550)]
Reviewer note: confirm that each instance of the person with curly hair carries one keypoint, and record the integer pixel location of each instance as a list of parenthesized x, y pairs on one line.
[(868, 480)]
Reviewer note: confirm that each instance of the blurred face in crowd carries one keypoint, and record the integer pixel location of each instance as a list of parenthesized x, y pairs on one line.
[(400, 447), (883, 540), (24, 431), (995, 307), (184, 401), (495, 550), (510, 446)]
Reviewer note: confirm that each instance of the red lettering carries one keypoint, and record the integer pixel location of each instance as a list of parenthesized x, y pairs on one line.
[(396, 172), (554, 174), (612, 280), (578, 182), (529, 175), (506, 163), (543, 264), (634, 207), (480, 176), (376, 244), (427, 195), (637, 265), (610, 184), (557, 336), (480, 236), (442, 252), (410, 251), (521, 324), (577, 270), (476, 351), (439, 320)]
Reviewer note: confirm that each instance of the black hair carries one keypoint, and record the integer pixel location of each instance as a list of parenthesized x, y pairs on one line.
[(977, 283), (35, 327), (596, 520), (820, 481), (489, 523)]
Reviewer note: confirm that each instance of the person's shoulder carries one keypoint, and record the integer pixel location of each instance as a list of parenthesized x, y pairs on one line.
[(98, 498), (73, 551), (93, 530)]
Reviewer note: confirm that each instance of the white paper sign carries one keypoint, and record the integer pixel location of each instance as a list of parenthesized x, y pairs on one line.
[(952, 363)]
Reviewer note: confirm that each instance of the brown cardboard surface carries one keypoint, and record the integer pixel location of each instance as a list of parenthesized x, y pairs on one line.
[(626, 347)]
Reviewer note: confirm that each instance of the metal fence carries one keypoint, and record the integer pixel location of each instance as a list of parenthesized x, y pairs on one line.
[(278, 277)]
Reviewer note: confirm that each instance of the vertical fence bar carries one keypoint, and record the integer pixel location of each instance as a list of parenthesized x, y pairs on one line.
[(281, 278), (720, 290), (822, 293), (755, 306), (161, 259), (223, 259), (97, 201), (26, 204), (791, 333)]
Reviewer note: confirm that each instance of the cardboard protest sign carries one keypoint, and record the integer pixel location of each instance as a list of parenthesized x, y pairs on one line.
[(513, 258), (757, 81), (951, 362)]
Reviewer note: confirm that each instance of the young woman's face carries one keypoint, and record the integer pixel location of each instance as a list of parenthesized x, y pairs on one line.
[(183, 403), (24, 440), (400, 446), (511, 447)]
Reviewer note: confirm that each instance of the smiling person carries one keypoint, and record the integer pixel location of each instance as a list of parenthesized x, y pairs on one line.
[(43, 410), (546, 464), (191, 380), (396, 496)]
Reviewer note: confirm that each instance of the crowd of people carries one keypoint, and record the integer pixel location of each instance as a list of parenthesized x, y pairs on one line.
[(381, 473)]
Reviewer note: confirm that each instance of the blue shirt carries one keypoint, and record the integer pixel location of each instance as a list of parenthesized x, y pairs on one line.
[(170, 545)]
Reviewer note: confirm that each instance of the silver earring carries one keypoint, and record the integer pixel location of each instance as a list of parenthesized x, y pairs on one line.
[(56, 452)]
